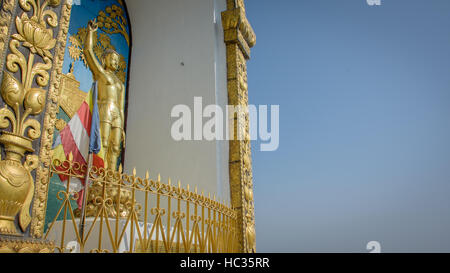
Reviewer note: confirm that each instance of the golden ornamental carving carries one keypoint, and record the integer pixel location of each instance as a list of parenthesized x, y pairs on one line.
[(71, 96), (121, 198), (6, 13), (52, 108), (13, 246), (239, 38), (60, 124), (238, 30), (251, 234), (24, 101)]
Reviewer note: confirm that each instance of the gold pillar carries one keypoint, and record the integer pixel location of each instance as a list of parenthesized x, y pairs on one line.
[(33, 36), (239, 38)]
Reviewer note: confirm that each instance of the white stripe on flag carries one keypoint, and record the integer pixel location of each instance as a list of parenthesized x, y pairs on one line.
[(80, 136)]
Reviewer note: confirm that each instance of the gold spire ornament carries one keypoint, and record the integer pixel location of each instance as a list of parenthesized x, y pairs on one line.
[(24, 101)]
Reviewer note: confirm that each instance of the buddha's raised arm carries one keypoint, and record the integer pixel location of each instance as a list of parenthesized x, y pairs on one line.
[(94, 65)]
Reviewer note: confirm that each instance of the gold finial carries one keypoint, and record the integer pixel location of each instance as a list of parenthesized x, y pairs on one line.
[(134, 171), (120, 168), (147, 176), (179, 184), (70, 156), (170, 182), (196, 190), (187, 187)]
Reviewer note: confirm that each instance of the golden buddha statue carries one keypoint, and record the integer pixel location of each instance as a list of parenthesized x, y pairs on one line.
[(111, 97)]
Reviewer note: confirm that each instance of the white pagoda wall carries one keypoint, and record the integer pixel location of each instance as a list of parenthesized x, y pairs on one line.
[(165, 35)]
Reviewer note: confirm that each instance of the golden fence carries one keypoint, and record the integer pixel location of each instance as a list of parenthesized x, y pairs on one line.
[(125, 214)]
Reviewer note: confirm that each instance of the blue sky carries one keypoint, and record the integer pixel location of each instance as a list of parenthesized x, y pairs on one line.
[(364, 95)]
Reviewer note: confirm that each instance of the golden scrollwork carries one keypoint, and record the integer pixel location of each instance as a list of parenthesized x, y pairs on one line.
[(60, 124), (120, 206), (24, 101), (183, 220), (239, 38), (6, 13), (15, 246), (52, 108)]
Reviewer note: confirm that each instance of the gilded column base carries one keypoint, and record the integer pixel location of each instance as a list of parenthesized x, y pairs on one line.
[(25, 246)]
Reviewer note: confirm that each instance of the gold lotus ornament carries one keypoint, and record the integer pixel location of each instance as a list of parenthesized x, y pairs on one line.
[(34, 35), (24, 101)]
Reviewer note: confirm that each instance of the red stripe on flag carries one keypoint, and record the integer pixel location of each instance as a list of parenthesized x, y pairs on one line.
[(69, 145), (84, 113)]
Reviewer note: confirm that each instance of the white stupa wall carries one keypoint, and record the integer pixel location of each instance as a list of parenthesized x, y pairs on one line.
[(178, 54)]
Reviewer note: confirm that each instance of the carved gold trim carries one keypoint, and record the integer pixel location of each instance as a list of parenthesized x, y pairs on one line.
[(25, 246), (239, 38), (71, 97), (23, 90), (235, 19), (42, 177), (8, 9)]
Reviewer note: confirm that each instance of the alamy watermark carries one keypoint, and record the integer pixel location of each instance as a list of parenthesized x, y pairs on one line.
[(374, 2), (227, 124), (374, 247)]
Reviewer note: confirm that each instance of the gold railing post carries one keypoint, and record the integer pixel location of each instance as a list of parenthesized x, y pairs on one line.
[(207, 233)]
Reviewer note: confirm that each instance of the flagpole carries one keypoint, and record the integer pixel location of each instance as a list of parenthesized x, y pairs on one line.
[(94, 147), (83, 206)]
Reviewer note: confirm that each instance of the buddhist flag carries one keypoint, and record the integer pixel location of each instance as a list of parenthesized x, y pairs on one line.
[(80, 137), (95, 143)]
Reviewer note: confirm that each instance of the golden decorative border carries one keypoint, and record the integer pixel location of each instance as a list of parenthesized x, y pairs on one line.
[(239, 37), (42, 176), (6, 13), (28, 246)]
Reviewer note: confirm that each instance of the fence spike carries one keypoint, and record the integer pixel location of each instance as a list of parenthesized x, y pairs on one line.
[(120, 168), (159, 177), (134, 171), (147, 176), (70, 156), (170, 182)]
